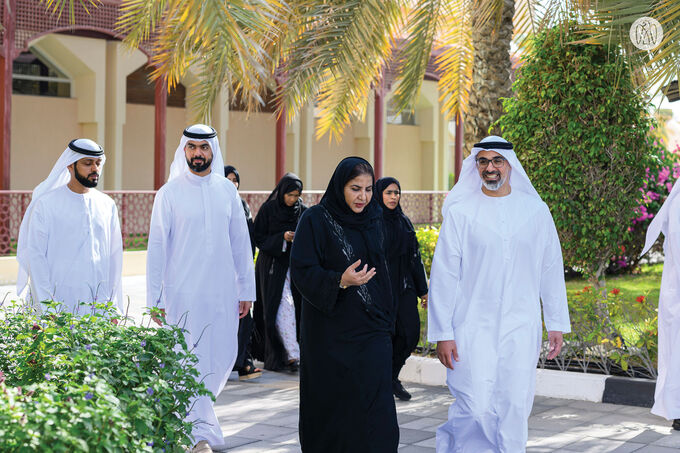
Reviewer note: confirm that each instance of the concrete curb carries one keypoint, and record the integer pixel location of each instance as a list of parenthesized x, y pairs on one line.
[(596, 388)]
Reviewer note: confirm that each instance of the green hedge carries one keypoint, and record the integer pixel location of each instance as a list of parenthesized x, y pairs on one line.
[(92, 383)]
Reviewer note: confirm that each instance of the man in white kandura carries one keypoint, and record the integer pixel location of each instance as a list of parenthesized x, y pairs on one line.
[(200, 265), (498, 256), (70, 248), (667, 393)]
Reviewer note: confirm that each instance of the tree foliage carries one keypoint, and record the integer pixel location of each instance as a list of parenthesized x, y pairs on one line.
[(580, 129)]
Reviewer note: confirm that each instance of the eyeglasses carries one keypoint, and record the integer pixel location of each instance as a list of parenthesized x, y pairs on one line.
[(497, 162)]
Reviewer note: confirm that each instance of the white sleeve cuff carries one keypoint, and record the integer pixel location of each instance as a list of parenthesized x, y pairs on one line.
[(564, 328), (433, 337)]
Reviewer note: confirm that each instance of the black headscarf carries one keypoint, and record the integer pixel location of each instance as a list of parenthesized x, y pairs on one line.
[(368, 221), (284, 217), (334, 198), (231, 169), (399, 232)]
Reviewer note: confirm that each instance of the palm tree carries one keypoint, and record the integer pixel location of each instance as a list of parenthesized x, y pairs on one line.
[(334, 53), (490, 74)]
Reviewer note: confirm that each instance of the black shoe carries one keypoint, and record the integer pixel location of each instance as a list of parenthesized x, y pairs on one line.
[(249, 372), (676, 424), (293, 366), (399, 391)]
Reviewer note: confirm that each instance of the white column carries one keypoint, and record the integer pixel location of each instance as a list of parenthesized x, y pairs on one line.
[(427, 116), (120, 62), (306, 121), (220, 122)]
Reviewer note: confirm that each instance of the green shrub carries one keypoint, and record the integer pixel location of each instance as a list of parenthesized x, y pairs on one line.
[(580, 128), (427, 239), (86, 383)]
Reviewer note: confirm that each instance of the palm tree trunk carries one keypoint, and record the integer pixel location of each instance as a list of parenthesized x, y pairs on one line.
[(490, 75)]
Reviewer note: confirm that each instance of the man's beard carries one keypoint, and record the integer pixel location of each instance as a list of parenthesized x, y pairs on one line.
[(85, 181), (493, 185), (198, 164)]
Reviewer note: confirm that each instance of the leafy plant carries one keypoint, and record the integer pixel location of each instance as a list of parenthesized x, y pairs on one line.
[(73, 383), (427, 239), (624, 340)]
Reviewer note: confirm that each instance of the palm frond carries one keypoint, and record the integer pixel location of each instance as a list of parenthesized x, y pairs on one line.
[(138, 19), (414, 55), (338, 55), (223, 41), (610, 23), (57, 7), (533, 16), (455, 64)]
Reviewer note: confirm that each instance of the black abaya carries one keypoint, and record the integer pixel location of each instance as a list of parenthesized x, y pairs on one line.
[(346, 403), (245, 324), (271, 268), (407, 274)]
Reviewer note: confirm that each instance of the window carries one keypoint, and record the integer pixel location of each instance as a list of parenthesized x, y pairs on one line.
[(140, 90), (33, 75), (405, 117)]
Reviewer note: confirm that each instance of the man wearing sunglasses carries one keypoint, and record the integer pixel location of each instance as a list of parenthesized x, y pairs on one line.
[(497, 260)]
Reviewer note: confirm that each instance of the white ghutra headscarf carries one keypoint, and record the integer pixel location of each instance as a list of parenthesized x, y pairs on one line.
[(469, 182), (198, 132), (77, 149)]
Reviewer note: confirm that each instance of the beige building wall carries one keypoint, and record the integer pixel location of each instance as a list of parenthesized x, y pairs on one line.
[(326, 155), (251, 148), (138, 146), (419, 156), (403, 156), (41, 129)]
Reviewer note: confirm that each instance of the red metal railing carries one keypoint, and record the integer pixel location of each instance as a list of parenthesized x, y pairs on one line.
[(134, 208)]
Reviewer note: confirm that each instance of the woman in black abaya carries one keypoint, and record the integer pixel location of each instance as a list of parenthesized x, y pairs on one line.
[(277, 311), (338, 263), (407, 275), (244, 362)]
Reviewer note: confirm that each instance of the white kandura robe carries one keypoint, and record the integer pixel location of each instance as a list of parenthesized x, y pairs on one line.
[(199, 266), (667, 392), (496, 259), (75, 249)]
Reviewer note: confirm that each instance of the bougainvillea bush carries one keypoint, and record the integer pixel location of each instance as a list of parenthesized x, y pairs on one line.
[(92, 383), (660, 175)]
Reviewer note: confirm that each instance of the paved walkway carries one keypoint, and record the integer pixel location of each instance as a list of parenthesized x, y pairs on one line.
[(261, 415)]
